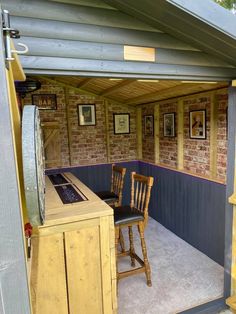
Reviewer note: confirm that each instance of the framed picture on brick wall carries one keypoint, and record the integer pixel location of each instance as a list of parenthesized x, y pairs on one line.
[(169, 124), (197, 124), (45, 101), (87, 114), (148, 125), (121, 123)]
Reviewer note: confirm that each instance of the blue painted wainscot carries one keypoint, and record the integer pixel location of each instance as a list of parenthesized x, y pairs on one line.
[(191, 207)]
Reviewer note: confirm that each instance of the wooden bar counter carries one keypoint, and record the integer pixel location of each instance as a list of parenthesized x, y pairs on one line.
[(73, 256)]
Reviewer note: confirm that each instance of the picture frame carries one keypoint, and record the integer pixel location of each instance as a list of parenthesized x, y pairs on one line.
[(169, 124), (197, 124), (45, 101), (148, 125), (121, 123), (87, 114)]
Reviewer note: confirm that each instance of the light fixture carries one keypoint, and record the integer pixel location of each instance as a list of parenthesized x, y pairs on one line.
[(115, 79), (148, 81), (27, 86), (199, 82)]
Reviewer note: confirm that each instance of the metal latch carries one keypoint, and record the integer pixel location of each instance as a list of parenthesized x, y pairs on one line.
[(9, 33)]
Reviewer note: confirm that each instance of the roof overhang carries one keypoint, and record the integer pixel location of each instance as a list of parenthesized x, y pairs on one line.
[(205, 25)]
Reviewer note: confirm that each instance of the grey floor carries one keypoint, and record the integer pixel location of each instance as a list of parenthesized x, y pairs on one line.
[(182, 277)]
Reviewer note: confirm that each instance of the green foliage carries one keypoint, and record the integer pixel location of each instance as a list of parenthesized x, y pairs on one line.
[(228, 4)]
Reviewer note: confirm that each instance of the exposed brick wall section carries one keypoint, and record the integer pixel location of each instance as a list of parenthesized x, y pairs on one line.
[(88, 142), (196, 151), (148, 140), (168, 145), (222, 137), (55, 115), (122, 146)]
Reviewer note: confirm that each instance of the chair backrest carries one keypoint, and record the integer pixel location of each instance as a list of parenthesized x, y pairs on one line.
[(117, 182), (140, 193)]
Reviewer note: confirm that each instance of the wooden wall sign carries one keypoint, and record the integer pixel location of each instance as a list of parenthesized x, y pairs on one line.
[(45, 101)]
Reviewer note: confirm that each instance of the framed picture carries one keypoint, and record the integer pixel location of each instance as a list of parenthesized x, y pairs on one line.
[(169, 124), (121, 123), (87, 114), (197, 124), (148, 125), (45, 101)]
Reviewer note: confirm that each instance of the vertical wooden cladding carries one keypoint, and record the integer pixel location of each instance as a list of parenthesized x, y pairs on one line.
[(48, 269), (139, 132), (180, 135), (73, 268), (84, 279)]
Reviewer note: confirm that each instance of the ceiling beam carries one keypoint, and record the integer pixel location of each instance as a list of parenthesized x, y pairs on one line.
[(53, 80), (84, 82), (117, 87)]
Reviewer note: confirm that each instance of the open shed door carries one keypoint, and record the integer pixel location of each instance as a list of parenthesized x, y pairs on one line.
[(14, 290)]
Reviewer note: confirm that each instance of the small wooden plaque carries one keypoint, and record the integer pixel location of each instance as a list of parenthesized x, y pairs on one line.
[(134, 53)]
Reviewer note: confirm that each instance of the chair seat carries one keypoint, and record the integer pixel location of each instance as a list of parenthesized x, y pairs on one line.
[(126, 214), (107, 196)]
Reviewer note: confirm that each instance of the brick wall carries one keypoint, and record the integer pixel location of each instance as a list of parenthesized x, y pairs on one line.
[(196, 151), (88, 143)]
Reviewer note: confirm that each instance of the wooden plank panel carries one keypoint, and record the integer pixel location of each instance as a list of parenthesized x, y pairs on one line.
[(185, 204), (107, 131), (84, 270), (73, 13), (92, 33), (213, 136), (180, 135), (14, 292), (106, 264), (164, 71), (48, 270), (139, 133), (157, 133)]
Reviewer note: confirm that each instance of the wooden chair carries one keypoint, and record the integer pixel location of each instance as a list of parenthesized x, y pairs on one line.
[(114, 196), (134, 214)]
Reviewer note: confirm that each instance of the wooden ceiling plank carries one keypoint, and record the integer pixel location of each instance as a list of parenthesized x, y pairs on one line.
[(135, 100), (54, 80), (84, 82), (117, 87), (177, 90)]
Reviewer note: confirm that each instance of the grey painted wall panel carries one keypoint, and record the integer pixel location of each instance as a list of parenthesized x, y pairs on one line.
[(191, 207), (50, 63), (14, 293), (230, 186), (97, 51), (193, 27), (72, 13), (93, 33)]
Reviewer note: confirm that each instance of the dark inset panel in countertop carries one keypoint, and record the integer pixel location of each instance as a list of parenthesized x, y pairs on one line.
[(57, 179), (68, 194)]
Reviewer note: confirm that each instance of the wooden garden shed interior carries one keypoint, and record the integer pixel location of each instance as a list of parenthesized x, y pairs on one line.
[(168, 57)]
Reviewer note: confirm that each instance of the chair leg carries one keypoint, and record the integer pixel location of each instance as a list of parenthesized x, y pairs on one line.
[(131, 250), (122, 242), (145, 258)]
